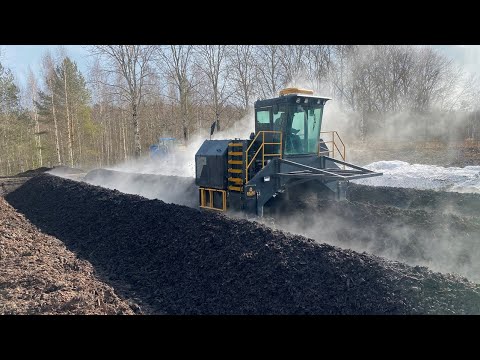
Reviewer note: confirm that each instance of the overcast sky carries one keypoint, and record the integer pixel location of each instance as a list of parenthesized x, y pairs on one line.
[(20, 57)]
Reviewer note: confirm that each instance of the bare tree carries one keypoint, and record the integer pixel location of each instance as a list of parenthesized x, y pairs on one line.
[(62, 54), (69, 122), (213, 64), (242, 62), (343, 70), (176, 61), (402, 62), (394, 90), (319, 66), (106, 112), (429, 84), (269, 69), (49, 73), (32, 93), (132, 64), (293, 61)]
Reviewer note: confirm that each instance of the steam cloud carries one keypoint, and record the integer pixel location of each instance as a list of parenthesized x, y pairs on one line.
[(445, 250)]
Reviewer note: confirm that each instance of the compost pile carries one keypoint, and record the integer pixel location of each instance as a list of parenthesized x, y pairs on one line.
[(466, 204), (10, 183), (179, 260), (34, 172), (171, 189), (38, 275), (62, 170), (56, 170), (419, 227)]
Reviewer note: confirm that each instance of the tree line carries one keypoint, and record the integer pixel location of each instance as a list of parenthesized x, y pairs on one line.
[(133, 94)]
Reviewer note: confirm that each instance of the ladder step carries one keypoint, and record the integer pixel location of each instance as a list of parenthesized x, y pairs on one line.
[(235, 144), (236, 180), (235, 153), (235, 162), (236, 171), (235, 188)]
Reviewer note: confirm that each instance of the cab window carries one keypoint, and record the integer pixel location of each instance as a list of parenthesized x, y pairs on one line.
[(263, 116)]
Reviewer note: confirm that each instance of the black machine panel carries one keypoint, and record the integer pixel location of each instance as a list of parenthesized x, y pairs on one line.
[(211, 164)]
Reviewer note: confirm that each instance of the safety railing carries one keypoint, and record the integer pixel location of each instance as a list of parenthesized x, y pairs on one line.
[(334, 146), (206, 201), (262, 149)]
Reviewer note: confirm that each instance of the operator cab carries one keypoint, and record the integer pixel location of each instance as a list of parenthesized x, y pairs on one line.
[(297, 114)]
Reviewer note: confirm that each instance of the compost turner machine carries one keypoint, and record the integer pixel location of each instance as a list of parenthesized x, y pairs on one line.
[(287, 149)]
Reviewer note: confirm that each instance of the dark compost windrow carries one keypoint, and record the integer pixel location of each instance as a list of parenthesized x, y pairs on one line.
[(179, 260)]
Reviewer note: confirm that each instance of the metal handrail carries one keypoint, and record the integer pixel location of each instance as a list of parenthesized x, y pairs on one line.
[(335, 146), (262, 147)]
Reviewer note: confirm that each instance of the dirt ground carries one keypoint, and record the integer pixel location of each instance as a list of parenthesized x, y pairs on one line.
[(179, 260), (38, 275)]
